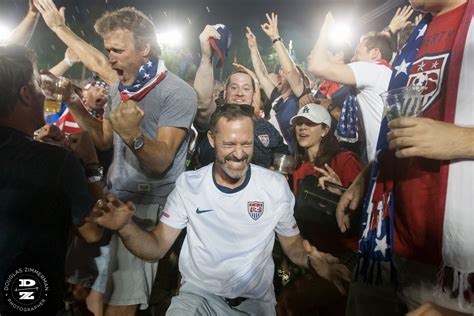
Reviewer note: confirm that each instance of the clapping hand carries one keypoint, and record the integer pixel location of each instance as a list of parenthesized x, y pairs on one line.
[(53, 17), (113, 214)]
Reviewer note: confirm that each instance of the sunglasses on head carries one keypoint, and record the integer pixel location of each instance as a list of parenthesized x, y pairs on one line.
[(246, 108)]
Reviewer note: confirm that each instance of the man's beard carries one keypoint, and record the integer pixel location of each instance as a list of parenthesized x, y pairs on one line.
[(232, 173)]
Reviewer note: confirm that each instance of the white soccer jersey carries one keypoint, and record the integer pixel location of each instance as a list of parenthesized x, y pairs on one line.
[(230, 233)]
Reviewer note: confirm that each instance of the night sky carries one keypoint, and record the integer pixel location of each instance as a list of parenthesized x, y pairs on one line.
[(299, 20)]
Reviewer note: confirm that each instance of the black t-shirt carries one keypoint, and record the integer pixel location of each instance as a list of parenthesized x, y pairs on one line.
[(43, 190), (267, 141)]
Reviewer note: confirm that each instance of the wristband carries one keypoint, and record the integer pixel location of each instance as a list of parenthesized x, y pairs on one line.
[(387, 29), (278, 39), (94, 172), (68, 62)]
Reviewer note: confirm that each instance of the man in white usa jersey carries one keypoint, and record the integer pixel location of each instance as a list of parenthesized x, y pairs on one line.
[(231, 210)]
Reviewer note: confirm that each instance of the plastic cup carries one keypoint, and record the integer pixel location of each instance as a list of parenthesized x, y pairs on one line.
[(283, 163), (403, 102), (55, 88)]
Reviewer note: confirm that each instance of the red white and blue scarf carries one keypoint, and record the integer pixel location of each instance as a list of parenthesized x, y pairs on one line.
[(149, 75), (377, 223)]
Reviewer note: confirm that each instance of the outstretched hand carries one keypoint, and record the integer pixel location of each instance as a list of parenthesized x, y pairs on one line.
[(251, 39), (208, 32), (53, 17), (328, 267), (32, 8), (330, 175), (349, 202), (400, 19), (113, 215), (271, 27)]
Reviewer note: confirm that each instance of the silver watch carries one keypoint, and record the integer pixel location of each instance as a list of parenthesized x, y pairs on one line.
[(137, 142)]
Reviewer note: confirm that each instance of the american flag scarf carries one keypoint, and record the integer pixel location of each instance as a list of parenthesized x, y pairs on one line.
[(149, 75), (347, 130), (377, 223)]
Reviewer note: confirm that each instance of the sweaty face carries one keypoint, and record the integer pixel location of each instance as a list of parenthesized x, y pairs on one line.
[(233, 144), (309, 134), (95, 98), (240, 89), (124, 57)]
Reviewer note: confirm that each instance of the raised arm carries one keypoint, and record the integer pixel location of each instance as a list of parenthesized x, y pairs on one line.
[(100, 131), (399, 20), (22, 33), (92, 58), (116, 215), (320, 65), (303, 254), (204, 81), (258, 64), (69, 60), (287, 64)]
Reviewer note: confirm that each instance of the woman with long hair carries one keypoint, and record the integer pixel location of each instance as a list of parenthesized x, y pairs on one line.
[(317, 153)]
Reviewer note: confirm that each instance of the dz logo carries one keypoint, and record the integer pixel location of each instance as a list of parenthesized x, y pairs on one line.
[(24, 286)]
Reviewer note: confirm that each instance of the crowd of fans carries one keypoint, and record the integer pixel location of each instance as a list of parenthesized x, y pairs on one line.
[(135, 193)]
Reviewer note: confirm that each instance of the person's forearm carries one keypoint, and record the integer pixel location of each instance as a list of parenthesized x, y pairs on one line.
[(261, 71), (88, 123), (22, 34), (155, 156), (289, 68), (296, 252), (141, 243), (319, 59), (204, 87), (92, 58), (60, 68), (91, 232), (463, 146)]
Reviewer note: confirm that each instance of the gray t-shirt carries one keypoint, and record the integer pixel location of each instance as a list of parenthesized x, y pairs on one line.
[(171, 103)]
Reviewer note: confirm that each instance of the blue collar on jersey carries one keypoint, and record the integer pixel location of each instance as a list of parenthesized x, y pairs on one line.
[(228, 190)]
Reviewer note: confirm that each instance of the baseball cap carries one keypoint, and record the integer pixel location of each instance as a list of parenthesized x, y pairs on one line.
[(221, 46), (316, 113)]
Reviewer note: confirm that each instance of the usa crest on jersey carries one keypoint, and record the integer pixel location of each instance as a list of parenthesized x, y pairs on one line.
[(428, 72), (255, 209), (264, 139)]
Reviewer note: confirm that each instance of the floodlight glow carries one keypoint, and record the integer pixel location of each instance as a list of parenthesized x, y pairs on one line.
[(5, 33), (171, 38), (341, 33)]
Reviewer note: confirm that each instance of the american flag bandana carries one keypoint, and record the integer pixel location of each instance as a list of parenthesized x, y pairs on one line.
[(377, 222), (149, 75)]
